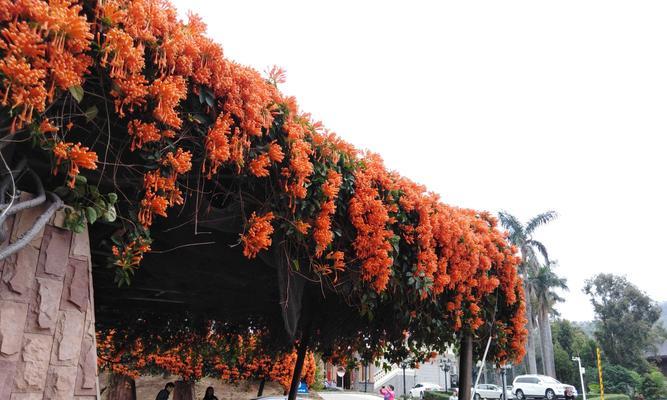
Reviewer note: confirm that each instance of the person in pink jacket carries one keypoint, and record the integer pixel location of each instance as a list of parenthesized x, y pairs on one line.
[(388, 393)]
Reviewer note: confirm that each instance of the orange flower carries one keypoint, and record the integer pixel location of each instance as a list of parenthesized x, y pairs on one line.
[(217, 143), (180, 163), (258, 235), (168, 92), (46, 127), (142, 133), (276, 152), (258, 166), (338, 260), (77, 156), (302, 227)]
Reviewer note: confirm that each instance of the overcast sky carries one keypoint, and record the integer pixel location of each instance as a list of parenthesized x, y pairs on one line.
[(522, 106)]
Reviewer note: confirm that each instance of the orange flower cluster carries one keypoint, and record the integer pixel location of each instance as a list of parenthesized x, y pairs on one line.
[(180, 360), (42, 48), (297, 175), (142, 133), (76, 156), (127, 361), (258, 236), (161, 192), (322, 229), (231, 357), (259, 165), (132, 254), (283, 368), (370, 216)]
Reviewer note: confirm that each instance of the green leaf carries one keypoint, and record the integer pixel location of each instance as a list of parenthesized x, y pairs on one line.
[(77, 93), (113, 198), (91, 215), (79, 227), (91, 113), (80, 179), (110, 214)]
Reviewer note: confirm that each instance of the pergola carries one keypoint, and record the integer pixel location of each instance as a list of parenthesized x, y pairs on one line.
[(210, 196)]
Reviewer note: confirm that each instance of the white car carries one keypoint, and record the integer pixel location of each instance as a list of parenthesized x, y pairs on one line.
[(419, 389), (487, 391), (540, 386)]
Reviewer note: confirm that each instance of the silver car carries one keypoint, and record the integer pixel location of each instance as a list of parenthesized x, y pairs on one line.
[(488, 391)]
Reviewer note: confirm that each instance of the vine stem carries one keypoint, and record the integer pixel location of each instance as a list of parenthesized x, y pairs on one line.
[(56, 204)]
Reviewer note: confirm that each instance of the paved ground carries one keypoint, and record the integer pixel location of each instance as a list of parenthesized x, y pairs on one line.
[(348, 396)]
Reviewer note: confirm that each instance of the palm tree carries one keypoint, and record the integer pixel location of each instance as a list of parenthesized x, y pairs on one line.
[(543, 283), (522, 237)]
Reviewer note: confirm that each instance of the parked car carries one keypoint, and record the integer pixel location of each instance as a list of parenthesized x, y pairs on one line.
[(419, 389), (540, 386), (488, 391)]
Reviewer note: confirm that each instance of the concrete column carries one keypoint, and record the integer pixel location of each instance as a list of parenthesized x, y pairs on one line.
[(47, 323)]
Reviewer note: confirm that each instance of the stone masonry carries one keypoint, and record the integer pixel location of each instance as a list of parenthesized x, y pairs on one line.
[(47, 324)]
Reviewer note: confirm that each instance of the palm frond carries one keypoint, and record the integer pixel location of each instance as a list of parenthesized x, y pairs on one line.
[(513, 225), (540, 220), (540, 247)]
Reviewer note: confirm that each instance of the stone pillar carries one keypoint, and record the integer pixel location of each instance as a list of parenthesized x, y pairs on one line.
[(121, 388), (47, 324), (184, 390)]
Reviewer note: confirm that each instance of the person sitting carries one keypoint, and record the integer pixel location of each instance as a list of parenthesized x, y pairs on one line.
[(210, 394), (164, 393)]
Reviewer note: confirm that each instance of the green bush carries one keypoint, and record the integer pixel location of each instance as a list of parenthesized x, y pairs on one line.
[(653, 385), (429, 395), (610, 396)]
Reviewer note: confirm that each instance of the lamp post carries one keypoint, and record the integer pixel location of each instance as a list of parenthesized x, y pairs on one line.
[(404, 365), (503, 377), (581, 375), (446, 365)]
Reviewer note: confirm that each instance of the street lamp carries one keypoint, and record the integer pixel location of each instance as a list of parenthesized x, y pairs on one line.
[(404, 365), (503, 375), (446, 365), (581, 375)]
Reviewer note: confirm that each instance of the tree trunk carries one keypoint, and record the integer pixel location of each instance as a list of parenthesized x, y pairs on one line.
[(530, 350), (183, 390), (543, 341), (260, 391), (551, 366), (465, 368), (121, 387), (300, 358)]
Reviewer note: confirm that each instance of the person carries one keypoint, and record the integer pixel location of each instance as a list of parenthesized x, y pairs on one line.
[(455, 395), (388, 392), (209, 394), (164, 393)]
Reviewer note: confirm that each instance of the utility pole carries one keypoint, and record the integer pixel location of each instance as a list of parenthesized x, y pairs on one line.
[(597, 350), (581, 375)]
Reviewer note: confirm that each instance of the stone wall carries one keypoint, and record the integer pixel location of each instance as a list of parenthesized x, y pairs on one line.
[(47, 324)]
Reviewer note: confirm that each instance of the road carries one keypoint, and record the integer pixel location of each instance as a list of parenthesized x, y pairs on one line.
[(348, 396)]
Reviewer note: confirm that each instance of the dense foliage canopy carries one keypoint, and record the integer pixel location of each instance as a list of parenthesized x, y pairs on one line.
[(145, 125)]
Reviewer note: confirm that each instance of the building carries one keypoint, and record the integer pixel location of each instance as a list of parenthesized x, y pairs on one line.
[(371, 378)]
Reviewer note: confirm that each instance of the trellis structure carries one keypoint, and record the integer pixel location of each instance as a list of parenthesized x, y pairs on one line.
[(210, 196)]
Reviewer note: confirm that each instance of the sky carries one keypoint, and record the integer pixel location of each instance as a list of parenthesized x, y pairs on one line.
[(523, 106)]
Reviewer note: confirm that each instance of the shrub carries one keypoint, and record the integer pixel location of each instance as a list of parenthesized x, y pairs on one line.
[(437, 395), (653, 385), (610, 396)]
